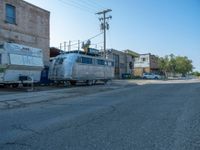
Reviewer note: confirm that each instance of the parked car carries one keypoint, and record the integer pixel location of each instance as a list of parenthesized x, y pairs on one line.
[(151, 76)]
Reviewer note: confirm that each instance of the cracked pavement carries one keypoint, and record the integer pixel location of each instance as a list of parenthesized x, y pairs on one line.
[(154, 115)]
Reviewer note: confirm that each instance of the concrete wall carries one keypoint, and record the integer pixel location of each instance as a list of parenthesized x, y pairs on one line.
[(31, 28), (122, 66), (119, 59)]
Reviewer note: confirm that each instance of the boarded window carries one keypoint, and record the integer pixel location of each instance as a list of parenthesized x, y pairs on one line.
[(10, 14)]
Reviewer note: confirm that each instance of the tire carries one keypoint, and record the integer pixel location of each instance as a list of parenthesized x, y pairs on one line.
[(15, 85), (95, 82), (107, 82), (90, 82), (2, 85), (72, 82)]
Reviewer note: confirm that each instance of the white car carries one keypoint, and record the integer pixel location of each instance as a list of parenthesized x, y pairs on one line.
[(151, 76)]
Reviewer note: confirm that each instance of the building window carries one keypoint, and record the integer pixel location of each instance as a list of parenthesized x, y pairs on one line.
[(10, 14), (86, 60), (143, 59)]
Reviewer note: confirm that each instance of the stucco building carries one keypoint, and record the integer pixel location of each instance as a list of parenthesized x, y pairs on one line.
[(145, 63), (24, 23), (124, 62)]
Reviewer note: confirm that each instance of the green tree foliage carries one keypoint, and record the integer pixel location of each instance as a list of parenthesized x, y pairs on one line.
[(163, 63), (183, 65), (175, 64), (196, 73)]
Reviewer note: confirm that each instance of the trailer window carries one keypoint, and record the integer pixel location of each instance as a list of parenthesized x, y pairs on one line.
[(86, 60), (109, 63), (106, 63), (59, 61), (113, 64), (100, 62), (16, 59), (78, 60), (0, 59)]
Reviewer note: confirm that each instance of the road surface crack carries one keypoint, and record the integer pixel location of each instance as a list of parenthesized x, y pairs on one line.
[(16, 143), (11, 104), (25, 129)]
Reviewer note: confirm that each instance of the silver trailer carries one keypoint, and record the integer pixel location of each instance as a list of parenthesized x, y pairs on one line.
[(20, 64), (75, 67)]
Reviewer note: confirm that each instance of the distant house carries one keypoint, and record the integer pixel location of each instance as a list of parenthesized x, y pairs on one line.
[(124, 61), (145, 63), (24, 23)]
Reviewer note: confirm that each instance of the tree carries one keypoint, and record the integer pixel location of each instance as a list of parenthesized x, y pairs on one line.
[(175, 64), (163, 64), (196, 73), (172, 63), (183, 65)]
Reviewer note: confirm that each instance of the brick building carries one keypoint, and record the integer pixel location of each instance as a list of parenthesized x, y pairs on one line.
[(24, 23)]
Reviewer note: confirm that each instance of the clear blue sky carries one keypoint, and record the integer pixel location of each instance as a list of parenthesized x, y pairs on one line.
[(160, 27)]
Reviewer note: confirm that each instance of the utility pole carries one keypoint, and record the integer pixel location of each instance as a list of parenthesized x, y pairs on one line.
[(78, 45), (104, 25), (69, 46), (60, 46), (65, 46)]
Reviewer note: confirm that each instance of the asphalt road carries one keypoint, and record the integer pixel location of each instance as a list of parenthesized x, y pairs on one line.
[(135, 117)]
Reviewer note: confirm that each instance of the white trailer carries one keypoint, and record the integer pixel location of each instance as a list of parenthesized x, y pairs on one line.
[(20, 64)]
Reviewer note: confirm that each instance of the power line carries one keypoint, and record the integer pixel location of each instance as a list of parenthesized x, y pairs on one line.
[(96, 3), (95, 36), (92, 4), (82, 4), (76, 6)]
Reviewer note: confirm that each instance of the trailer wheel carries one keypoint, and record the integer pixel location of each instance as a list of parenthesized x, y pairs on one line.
[(15, 85), (25, 84), (72, 82), (95, 82), (2, 85), (107, 82), (90, 82)]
